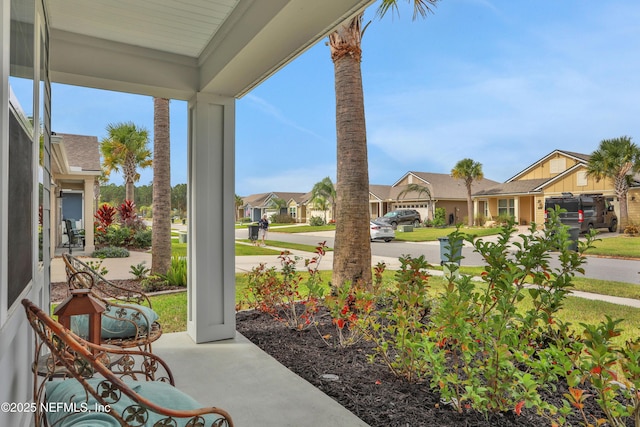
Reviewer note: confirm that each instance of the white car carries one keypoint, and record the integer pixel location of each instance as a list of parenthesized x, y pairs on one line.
[(379, 231)]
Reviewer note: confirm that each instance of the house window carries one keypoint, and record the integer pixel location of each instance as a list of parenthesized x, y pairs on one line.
[(581, 178), (292, 212), (507, 207), (558, 165)]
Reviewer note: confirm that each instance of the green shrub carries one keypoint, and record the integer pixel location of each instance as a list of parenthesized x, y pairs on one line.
[(480, 220), (282, 219), (504, 219), (438, 218), (316, 221), (110, 252), (153, 284), (177, 274), (114, 235), (142, 239)]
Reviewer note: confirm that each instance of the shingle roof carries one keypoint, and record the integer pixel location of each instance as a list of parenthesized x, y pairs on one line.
[(82, 151), (444, 186), (523, 186), (261, 199), (382, 192)]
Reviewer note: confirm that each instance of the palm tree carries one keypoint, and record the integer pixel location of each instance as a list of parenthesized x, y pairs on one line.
[(617, 159), (161, 237), (238, 204), (322, 193), (352, 248), (278, 204), (468, 171), (419, 189), (125, 149)]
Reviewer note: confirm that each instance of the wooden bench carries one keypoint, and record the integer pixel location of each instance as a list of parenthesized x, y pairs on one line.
[(79, 383), (129, 321)]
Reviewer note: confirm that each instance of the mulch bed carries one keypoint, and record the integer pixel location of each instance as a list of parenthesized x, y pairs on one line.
[(369, 390)]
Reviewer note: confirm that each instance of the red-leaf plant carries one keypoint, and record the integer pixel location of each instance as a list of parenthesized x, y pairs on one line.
[(105, 216), (279, 294)]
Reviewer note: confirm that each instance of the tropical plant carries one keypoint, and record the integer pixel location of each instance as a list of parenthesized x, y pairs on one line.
[(616, 159), (161, 240), (323, 193), (105, 216), (238, 203), (139, 271), (125, 149), (176, 275), (416, 191), (127, 211), (320, 203), (468, 170), (352, 247), (278, 204)]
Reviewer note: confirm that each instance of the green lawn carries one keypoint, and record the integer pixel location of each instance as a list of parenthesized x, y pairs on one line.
[(300, 228), (622, 246), (180, 249), (426, 234), (287, 245), (246, 250), (173, 308)]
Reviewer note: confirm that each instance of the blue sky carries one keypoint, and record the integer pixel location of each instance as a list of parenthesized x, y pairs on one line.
[(503, 82)]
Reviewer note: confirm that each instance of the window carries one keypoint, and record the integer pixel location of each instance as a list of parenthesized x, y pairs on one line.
[(581, 178), (558, 165), (507, 207), (292, 212)]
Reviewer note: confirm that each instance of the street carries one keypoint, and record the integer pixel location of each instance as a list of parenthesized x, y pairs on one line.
[(596, 267)]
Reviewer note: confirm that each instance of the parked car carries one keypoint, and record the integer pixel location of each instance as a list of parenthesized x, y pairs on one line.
[(584, 211), (380, 231), (400, 216)]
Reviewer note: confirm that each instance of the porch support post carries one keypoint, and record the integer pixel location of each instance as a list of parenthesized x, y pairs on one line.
[(211, 237), (88, 216)]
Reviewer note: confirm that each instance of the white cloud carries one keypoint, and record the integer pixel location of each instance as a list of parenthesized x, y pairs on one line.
[(277, 114), (299, 180)]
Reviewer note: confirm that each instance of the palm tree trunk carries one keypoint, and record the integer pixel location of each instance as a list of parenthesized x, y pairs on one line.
[(469, 205), (621, 189), (161, 238), (352, 251)]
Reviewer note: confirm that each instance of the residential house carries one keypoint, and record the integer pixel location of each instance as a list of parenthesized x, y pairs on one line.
[(75, 168), (522, 196), (214, 54), (444, 192), (257, 205)]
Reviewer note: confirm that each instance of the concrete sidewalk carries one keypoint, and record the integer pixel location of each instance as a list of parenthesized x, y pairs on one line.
[(119, 269)]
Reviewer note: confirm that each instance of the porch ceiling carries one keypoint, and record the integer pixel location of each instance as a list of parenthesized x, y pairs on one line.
[(174, 48)]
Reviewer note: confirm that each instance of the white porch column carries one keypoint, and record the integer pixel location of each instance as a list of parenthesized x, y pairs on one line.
[(88, 216), (211, 238)]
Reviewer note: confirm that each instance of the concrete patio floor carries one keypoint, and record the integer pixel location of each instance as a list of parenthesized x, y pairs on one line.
[(253, 387)]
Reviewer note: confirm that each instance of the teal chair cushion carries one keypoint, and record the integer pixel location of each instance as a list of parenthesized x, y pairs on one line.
[(88, 413), (113, 325)]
